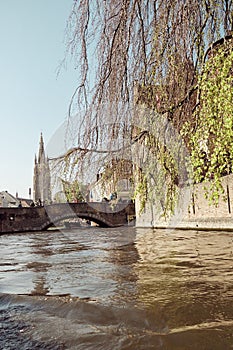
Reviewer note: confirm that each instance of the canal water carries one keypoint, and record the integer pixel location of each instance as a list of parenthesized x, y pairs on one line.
[(110, 289)]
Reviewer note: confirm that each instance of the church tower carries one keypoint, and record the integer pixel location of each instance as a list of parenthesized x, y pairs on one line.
[(41, 179)]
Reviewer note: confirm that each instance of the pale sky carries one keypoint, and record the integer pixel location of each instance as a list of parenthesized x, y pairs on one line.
[(32, 98)]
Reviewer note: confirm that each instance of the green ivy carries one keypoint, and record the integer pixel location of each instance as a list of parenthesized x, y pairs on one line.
[(141, 192), (211, 140), (162, 170)]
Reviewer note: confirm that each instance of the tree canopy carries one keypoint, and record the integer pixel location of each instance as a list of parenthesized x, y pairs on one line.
[(158, 46), (117, 43)]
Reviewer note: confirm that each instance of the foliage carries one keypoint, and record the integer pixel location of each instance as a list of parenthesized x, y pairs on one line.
[(211, 140), (141, 191), (161, 164), (73, 191), (158, 46), (117, 43)]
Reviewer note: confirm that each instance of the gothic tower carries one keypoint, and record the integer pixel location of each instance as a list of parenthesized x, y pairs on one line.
[(41, 179)]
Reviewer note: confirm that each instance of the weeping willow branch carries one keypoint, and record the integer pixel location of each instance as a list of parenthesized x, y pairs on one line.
[(84, 151), (158, 44)]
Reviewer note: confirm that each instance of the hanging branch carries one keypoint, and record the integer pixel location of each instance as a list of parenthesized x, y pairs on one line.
[(159, 45)]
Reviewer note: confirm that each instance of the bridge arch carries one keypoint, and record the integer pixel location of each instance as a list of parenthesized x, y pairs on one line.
[(41, 218), (49, 223)]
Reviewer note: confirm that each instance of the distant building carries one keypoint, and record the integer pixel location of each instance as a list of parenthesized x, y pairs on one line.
[(114, 182), (8, 200), (41, 179)]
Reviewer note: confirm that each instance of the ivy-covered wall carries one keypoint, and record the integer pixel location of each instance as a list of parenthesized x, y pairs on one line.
[(193, 210), (198, 152)]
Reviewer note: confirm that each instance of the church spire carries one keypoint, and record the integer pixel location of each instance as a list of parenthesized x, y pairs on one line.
[(41, 178), (41, 155)]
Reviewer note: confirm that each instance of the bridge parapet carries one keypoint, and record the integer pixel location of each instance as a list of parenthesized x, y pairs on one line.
[(41, 218)]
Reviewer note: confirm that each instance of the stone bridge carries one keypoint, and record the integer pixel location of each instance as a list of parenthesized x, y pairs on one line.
[(41, 218)]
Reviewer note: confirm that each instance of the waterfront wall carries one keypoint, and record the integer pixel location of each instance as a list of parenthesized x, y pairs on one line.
[(193, 210)]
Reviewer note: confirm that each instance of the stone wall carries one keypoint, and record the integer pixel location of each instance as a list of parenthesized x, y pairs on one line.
[(41, 218), (193, 210)]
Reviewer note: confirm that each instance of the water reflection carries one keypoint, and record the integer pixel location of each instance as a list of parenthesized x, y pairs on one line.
[(40, 286), (42, 249), (189, 274), (139, 289), (87, 263), (122, 259)]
